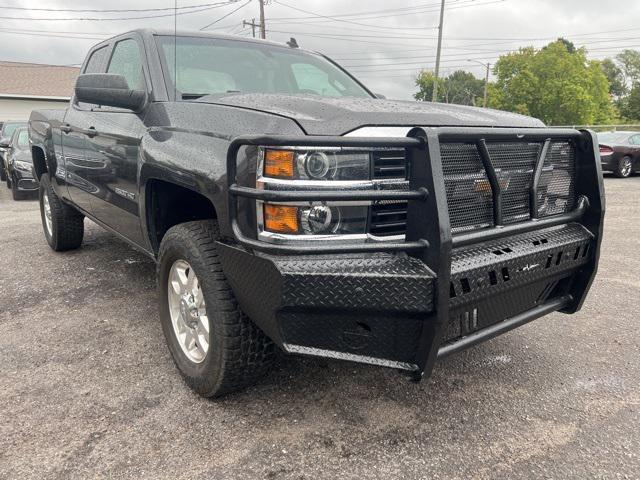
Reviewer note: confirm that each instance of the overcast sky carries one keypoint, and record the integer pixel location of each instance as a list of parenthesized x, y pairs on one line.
[(384, 43)]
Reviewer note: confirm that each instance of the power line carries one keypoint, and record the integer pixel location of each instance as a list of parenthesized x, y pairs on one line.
[(114, 10), (368, 12), (318, 15), (75, 37), (228, 14), (104, 19), (464, 54), (469, 3)]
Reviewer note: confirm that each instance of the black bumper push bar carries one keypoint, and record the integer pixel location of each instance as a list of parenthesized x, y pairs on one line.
[(428, 235)]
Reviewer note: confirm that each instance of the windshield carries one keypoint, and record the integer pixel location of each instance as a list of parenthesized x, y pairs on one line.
[(208, 66), (613, 137), (9, 128), (23, 139)]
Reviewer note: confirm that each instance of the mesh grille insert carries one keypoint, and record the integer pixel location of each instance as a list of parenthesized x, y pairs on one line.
[(468, 191), (556, 192), (514, 164)]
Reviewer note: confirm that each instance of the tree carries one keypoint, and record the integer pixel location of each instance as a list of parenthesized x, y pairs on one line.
[(629, 61), (557, 84), (630, 105), (425, 81), (615, 77), (460, 87)]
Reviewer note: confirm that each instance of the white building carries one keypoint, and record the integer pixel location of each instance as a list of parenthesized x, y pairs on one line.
[(28, 86)]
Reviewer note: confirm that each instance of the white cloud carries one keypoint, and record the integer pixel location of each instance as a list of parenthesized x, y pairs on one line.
[(476, 29)]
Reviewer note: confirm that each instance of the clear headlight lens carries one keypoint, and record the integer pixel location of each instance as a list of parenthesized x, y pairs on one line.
[(315, 164), (24, 166), (315, 219), (314, 168)]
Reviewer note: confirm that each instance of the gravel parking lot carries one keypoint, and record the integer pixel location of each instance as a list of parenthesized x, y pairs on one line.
[(88, 388)]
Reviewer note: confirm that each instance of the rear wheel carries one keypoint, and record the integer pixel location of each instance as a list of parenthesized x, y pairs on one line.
[(3, 174), (623, 168), (63, 225), (215, 346)]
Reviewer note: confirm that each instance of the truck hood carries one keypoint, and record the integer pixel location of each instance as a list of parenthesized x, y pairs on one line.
[(338, 116)]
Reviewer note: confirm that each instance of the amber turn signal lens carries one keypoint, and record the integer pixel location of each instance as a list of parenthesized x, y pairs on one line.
[(280, 219), (278, 163)]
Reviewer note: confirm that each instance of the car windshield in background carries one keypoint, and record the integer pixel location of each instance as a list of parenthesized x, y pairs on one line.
[(9, 128), (23, 139), (613, 137), (206, 66)]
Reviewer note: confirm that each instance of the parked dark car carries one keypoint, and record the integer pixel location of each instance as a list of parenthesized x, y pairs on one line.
[(19, 164), (286, 205), (620, 152), (5, 137)]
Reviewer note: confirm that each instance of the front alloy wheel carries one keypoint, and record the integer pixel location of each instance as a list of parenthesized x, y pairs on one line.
[(188, 312), (215, 346)]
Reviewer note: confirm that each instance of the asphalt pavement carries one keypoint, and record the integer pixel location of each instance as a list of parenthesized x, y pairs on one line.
[(88, 388)]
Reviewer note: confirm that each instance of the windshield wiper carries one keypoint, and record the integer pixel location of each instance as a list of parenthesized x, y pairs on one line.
[(192, 96)]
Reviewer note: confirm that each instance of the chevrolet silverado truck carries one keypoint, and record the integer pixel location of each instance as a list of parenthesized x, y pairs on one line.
[(286, 205)]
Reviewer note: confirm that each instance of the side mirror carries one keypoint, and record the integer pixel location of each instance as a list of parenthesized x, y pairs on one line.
[(108, 89), (4, 144), (380, 96)]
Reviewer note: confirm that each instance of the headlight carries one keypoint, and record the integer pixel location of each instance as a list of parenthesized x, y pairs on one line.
[(315, 164), (24, 166), (319, 219), (315, 168)]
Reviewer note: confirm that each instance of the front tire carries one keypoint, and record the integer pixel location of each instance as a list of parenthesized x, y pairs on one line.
[(624, 168), (63, 225), (215, 346), (15, 193)]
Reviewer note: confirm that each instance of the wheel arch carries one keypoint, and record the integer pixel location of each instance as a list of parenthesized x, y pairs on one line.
[(39, 161), (167, 203)]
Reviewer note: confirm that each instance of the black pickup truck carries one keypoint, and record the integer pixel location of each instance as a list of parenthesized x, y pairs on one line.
[(286, 205)]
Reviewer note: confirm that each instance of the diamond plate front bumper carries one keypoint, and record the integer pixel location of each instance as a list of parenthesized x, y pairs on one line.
[(405, 304)]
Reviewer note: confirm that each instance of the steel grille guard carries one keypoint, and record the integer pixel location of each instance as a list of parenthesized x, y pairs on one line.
[(428, 236)]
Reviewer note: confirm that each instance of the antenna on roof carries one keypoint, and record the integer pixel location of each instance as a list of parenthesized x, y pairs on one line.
[(293, 43)]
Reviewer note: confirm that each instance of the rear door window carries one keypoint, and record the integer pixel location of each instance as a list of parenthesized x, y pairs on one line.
[(97, 61)]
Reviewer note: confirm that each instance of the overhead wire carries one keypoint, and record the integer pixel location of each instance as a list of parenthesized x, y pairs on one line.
[(227, 15), (113, 19), (109, 10)]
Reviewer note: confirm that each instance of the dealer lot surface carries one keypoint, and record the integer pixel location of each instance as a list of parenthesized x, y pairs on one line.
[(88, 389)]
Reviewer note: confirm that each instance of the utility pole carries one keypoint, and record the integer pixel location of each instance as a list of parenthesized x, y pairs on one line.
[(487, 66), (434, 96), (263, 29), (251, 24), (486, 86)]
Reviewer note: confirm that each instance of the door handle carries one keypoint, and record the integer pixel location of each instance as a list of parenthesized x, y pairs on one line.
[(65, 128), (92, 132)]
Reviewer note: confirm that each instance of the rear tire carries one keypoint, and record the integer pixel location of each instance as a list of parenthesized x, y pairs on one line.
[(3, 174), (63, 225), (234, 352), (624, 168)]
